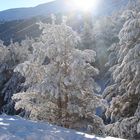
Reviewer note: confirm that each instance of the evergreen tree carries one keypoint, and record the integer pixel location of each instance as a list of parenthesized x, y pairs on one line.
[(10, 82), (124, 92), (65, 93)]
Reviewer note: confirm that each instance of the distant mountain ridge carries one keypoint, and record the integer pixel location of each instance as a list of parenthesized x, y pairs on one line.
[(57, 6), (25, 13)]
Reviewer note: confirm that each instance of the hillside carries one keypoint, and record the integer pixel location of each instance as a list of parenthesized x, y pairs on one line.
[(18, 29), (18, 23)]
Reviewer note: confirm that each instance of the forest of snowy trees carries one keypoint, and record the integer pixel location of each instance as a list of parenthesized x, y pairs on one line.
[(88, 80)]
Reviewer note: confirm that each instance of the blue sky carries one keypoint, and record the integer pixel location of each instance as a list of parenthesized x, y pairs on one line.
[(7, 4)]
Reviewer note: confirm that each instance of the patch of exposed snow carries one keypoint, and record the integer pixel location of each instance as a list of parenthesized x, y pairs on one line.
[(16, 128)]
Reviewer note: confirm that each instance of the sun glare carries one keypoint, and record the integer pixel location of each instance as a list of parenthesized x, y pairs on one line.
[(85, 5)]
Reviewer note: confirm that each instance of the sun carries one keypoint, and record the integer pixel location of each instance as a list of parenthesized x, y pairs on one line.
[(85, 5)]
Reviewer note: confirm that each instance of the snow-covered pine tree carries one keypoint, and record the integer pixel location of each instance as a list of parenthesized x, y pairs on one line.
[(66, 94), (98, 35), (87, 34), (10, 82), (124, 92)]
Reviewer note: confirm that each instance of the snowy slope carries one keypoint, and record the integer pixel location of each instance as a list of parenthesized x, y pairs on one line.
[(16, 128)]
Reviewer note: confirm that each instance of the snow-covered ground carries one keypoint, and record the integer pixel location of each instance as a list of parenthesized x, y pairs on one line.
[(16, 128)]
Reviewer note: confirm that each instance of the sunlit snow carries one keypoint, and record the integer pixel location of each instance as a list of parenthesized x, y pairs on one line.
[(16, 128)]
